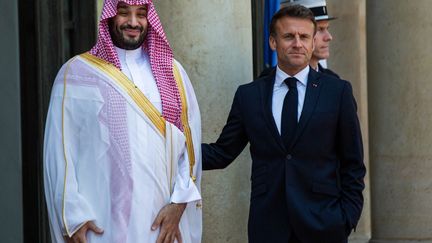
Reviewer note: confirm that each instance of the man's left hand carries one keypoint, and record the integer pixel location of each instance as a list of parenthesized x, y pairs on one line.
[(168, 219)]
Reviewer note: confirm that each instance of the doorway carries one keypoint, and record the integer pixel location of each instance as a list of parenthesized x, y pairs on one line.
[(50, 32)]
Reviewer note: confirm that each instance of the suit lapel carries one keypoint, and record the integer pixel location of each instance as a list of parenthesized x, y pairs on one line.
[(266, 93), (311, 97)]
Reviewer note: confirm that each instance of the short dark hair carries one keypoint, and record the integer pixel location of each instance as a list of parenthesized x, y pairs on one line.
[(294, 11)]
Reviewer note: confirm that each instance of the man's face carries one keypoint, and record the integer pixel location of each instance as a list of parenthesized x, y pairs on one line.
[(322, 40), (293, 43), (128, 28)]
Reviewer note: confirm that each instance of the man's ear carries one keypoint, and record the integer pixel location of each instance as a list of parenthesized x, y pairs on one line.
[(272, 42)]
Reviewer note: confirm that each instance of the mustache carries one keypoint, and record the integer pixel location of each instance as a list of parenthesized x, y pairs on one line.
[(140, 28)]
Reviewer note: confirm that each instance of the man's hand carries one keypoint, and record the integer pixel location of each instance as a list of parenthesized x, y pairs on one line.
[(168, 219), (81, 235)]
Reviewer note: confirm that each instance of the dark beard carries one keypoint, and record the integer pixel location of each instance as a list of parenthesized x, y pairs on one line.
[(119, 40)]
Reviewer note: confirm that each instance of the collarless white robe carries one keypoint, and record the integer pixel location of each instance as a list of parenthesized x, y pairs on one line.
[(106, 161)]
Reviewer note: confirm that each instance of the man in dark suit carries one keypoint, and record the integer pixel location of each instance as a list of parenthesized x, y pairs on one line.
[(305, 143), (323, 36)]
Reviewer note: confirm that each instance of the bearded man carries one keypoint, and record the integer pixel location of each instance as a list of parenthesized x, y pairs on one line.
[(122, 159)]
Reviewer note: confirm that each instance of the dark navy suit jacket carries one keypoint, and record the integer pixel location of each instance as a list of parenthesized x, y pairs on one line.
[(327, 71), (312, 189)]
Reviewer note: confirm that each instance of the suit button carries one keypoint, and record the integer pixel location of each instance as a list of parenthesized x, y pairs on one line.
[(288, 157)]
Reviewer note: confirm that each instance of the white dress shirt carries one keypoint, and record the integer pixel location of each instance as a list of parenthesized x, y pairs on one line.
[(135, 64), (280, 89)]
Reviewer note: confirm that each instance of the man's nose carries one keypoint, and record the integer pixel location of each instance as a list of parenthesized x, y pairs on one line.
[(328, 36), (297, 42), (133, 21)]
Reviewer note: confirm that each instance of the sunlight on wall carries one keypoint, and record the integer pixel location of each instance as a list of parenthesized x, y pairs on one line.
[(99, 10)]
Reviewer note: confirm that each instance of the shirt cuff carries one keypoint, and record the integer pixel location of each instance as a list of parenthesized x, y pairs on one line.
[(185, 192)]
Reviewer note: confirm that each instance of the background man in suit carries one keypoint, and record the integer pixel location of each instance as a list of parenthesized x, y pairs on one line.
[(323, 36), (305, 143)]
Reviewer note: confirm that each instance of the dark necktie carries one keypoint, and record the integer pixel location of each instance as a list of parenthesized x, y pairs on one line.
[(289, 112)]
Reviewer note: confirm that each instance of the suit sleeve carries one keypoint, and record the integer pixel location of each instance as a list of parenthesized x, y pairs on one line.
[(231, 141), (352, 168)]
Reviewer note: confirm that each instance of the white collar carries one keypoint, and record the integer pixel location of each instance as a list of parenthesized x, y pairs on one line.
[(136, 55), (301, 76)]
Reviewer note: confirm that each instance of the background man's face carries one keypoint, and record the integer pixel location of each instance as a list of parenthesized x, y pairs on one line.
[(293, 43), (322, 40), (128, 28)]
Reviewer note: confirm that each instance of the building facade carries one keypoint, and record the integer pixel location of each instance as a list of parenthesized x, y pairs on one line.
[(379, 46)]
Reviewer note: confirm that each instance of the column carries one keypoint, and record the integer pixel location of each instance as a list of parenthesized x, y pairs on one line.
[(348, 59), (213, 41), (400, 94)]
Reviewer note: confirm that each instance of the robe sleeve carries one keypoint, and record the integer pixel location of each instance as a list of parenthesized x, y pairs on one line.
[(185, 189), (68, 209)]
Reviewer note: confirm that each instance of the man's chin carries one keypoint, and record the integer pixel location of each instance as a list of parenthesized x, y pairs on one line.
[(132, 43), (298, 59), (131, 39), (298, 64), (321, 55)]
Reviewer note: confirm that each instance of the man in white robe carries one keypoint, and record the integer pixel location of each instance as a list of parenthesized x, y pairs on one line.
[(122, 159)]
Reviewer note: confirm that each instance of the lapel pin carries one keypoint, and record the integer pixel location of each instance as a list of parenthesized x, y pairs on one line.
[(315, 85)]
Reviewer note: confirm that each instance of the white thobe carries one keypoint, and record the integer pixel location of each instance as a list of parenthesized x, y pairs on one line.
[(105, 161)]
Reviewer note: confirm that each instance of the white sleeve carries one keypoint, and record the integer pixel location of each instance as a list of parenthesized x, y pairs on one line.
[(185, 189), (68, 210)]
